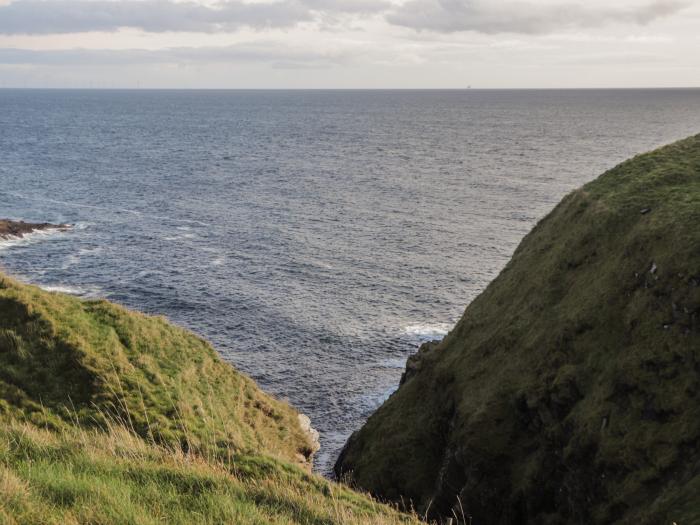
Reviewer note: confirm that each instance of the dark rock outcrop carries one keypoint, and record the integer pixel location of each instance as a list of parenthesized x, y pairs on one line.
[(18, 229), (414, 363)]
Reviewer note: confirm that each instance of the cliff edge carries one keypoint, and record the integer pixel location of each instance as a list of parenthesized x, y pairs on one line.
[(110, 416), (569, 391)]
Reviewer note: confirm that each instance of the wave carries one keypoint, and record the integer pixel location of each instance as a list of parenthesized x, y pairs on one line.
[(427, 331), (104, 208), (70, 260), (183, 237), (372, 401), (81, 291), (393, 362), (90, 251), (29, 238)]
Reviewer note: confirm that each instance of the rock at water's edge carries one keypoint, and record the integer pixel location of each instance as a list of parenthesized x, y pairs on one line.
[(18, 229), (312, 435)]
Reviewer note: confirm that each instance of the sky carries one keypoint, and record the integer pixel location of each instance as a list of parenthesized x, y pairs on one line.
[(349, 43)]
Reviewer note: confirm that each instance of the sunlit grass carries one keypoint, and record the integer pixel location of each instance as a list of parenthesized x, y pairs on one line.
[(66, 361), (108, 416), (91, 476)]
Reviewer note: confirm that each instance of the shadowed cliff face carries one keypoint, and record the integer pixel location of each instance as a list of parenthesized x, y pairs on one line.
[(569, 392)]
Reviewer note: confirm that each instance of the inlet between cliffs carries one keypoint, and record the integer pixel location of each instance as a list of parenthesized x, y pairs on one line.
[(569, 391)]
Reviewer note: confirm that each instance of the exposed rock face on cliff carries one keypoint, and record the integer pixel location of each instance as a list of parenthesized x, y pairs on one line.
[(569, 392), (9, 229)]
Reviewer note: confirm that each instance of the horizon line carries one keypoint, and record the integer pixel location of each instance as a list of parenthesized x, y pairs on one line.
[(470, 88)]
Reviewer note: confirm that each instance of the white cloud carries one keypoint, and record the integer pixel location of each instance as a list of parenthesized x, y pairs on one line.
[(224, 16), (493, 17), (349, 43), (75, 16), (260, 52)]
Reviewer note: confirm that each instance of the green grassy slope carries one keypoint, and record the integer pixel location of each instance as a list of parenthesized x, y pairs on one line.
[(569, 392), (65, 361), (91, 477), (113, 417)]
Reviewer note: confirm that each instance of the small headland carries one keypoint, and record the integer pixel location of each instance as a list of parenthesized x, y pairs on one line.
[(17, 229)]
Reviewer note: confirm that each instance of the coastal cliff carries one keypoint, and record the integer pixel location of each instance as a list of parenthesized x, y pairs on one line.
[(111, 416), (569, 391), (92, 363)]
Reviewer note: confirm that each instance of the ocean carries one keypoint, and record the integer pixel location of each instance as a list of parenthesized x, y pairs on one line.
[(316, 238)]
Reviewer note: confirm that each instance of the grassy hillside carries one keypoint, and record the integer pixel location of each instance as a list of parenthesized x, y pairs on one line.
[(569, 392), (92, 477), (112, 417), (65, 361)]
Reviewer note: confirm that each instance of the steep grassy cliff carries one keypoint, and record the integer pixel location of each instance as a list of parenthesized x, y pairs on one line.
[(64, 361), (81, 476), (569, 392), (112, 417)]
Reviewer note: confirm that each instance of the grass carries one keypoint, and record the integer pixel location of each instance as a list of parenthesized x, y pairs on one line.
[(570, 389), (108, 416), (90, 476), (88, 363)]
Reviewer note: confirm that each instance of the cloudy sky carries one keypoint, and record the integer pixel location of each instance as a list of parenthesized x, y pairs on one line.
[(349, 43)]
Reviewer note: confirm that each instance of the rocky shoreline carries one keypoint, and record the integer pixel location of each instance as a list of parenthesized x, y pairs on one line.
[(10, 229)]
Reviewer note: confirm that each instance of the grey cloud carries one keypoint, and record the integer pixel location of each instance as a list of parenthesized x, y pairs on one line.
[(348, 6), (75, 16), (272, 54), (520, 17), (616, 59)]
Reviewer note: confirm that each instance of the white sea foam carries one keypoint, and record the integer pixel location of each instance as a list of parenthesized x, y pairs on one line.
[(29, 238), (427, 331), (373, 401), (394, 362), (73, 290), (9, 242), (71, 260), (90, 251), (180, 236), (147, 273), (82, 291)]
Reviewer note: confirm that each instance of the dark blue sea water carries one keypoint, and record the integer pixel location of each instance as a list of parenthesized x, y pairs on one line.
[(315, 237)]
